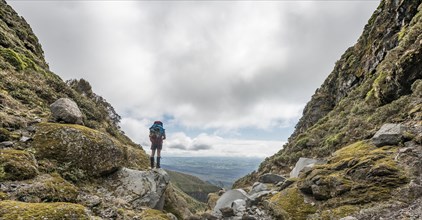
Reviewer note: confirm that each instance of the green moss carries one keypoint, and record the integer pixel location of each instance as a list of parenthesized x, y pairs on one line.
[(3, 196), (13, 58), (11, 210), (289, 204), (359, 173), (301, 143), (152, 214), (18, 61), (49, 188), (357, 149), (17, 165), (127, 214), (333, 140), (339, 212), (78, 148), (4, 135)]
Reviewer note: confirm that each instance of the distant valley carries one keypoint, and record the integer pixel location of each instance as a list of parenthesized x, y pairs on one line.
[(219, 171)]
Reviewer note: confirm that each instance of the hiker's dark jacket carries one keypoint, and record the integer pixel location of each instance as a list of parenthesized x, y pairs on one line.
[(157, 141)]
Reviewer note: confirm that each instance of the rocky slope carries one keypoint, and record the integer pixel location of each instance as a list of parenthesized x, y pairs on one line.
[(375, 82), (363, 127), (62, 153)]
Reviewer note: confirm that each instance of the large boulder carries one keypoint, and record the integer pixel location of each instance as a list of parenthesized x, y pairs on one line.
[(389, 134), (228, 198), (66, 110), (139, 188), (303, 163), (78, 148)]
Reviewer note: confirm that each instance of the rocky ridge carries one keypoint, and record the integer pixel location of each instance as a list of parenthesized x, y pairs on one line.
[(364, 124)]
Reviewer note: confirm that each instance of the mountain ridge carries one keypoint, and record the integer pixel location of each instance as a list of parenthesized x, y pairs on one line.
[(54, 170)]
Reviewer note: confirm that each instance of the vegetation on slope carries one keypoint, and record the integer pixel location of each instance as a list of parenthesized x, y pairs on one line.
[(192, 185), (375, 82)]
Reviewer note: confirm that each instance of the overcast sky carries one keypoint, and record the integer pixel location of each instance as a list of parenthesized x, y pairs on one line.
[(227, 78)]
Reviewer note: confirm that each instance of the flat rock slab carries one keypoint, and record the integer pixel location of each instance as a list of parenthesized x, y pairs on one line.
[(302, 163), (140, 188), (228, 198), (271, 178), (389, 134)]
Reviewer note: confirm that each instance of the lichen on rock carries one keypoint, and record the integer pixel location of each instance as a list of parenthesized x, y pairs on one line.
[(78, 147), (47, 188), (17, 165), (357, 174)]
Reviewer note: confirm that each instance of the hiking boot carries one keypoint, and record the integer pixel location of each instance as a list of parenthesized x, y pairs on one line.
[(158, 162), (152, 162)]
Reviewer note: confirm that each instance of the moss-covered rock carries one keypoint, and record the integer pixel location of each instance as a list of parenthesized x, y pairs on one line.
[(290, 204), (17, 165), (152, 214), (136, 157), (47, 188), (79, 147), (12, 210), (357, 174)]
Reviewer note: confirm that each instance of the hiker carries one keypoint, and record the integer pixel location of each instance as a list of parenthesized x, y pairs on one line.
[(156, 135)]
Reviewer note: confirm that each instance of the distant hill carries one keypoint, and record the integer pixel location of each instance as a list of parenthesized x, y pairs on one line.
[(192, 185)]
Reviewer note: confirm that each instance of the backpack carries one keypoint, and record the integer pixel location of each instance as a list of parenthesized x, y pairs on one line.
[(156, 130)]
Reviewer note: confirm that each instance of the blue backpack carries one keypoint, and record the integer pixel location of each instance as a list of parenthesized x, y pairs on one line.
[(156, 130)]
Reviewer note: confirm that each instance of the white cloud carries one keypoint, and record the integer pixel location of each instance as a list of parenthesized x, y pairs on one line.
[(180, 144), (210, 66)]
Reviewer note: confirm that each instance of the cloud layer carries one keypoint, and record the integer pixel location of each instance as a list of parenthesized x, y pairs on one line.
[(209, 69)]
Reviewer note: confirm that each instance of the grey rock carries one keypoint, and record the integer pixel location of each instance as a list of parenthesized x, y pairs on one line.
[(286, 184), (139, 188), (271, 178), (208, 216), (25, 139), (227, 212), (35, 121), (320, 192), (389, 134), (303, 163), (66, 110), (6, 144), (349, 218), (248, 217), (239, 206), (258, 187), (254, 199), (31, 129), (228, 198), (89, 200)]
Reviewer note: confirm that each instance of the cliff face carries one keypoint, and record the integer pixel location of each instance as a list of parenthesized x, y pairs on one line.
[(370, 85), (375, 82)]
